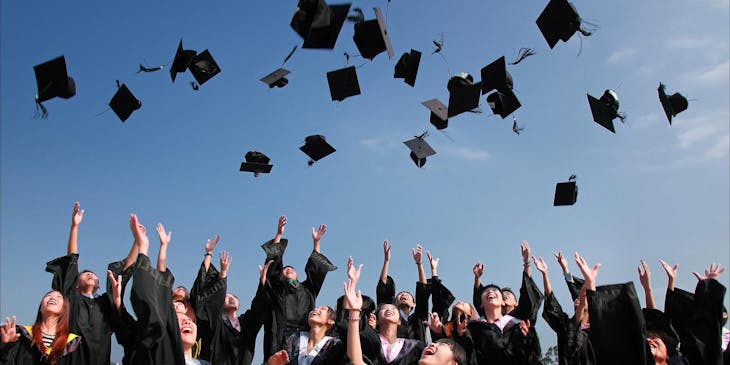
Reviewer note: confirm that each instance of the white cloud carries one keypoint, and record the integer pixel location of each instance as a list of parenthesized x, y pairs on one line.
[(620, 55), (381, 144), (690, 43), (469, 154), (718, 73), (705, 136), (646, 120)]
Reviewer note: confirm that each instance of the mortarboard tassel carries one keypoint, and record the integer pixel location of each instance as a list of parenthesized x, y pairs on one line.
[(522, 54), (515, 128), (149, 69), (290, 54), (118, 84), (40, 109), (194, 85)]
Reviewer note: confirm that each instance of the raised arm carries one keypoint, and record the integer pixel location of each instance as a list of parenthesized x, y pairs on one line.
[(353, 303), (434, 263), (76, 218), (645, 280), (542, 268), (525, 250), (164, 241), (671, 274), (478, 271), (588, 274), (386, 262), (116, 286), (209, 247), (417, 258), (279, 229), (317, 236)]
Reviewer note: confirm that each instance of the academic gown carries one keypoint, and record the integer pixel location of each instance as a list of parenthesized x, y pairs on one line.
[(333, 352), (697, 318), (486, 344), (88, 317), (156, 335), (290, 302), (412, 326), (372, 351), (574, 347), (22, 352), (221, 343)]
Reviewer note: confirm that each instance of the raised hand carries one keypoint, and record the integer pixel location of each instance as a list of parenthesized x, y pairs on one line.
[(280, 357), (645, 276), (713, 272), (540, 265), (386, 250), (525, 327), (461, 325), (116, 284), (353, 274), (671, 273), (139, 232), (319, 233), (263, 270), (211, 243), (353, 299), (434, 323), (478, 270), (281, 224), (372, 320), (417, 254), (225, 260), (164, 237), (525, 250), (7, 331), (78, 215), (562, 261), (434, 262), (588, 274)]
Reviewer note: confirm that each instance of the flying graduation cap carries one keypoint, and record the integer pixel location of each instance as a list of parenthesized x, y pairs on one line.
[(257, 163), (496, 77), (463, 94), (672, 104), (371, 37), (182, 60), (605, 109), (566, 193), (419, 149), (407, 67), (203, 67), (343, 83), (319, 24), (276, 78), (316, 147), (559, 21), (53, 81), (439, 113), (123, 103)]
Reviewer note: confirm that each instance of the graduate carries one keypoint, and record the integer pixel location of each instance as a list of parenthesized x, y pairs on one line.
[(291, 300)]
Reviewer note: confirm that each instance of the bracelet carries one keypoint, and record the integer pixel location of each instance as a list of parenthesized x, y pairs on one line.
[(351, 319), (208, 254), (526, 264)]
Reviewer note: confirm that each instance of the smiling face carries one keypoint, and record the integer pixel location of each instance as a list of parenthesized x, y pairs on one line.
[(52, 304), (657, 347), (405, 299), (188, 330), (388, 313), (322, 315), (438, 353), (88, 282), (289, 273), (231, 303), (492, 298), (510, 302)]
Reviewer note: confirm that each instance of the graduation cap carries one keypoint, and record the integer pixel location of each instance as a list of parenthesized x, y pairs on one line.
[(53, 80), (371, 37), (496, 77), (559, 21), (566, 193), (672, 104), (319, 24), (256, 162), (123, 103), (439, 113), (181, 61), (343, 83), (503, 102), (316, 147), (407, 67), (276, 78), (605, 109), (203, 67), (419, 149), (463, 94)]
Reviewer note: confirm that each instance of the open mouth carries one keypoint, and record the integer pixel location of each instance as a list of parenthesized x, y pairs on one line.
[(430, 350), (187, 330)]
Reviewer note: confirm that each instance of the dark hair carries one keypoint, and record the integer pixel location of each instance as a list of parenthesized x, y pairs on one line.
[(507, 289), (489, 286), (670, 342), (456, 349), (96, 284), (61, 337)]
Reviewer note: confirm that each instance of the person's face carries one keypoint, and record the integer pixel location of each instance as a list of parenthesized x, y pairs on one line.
[(52, 304), (188, 330), (321, 316), (509, 299), (388, 313), (437, 353), (231, 302), (289, 273), (88, 280), (657, 347), (405, 298), (492, 297), (180, 292)]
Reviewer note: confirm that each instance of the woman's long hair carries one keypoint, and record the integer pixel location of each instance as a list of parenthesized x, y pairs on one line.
[(61, 336)]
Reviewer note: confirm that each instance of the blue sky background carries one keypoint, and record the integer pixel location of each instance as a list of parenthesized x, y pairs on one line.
[(650, 191)]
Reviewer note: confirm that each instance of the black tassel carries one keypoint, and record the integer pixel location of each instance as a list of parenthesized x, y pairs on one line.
[(149, 69), (40, 109), (118, 84), (194, 85), (289, 55), (522, 54), (621, 116), (310, 162)]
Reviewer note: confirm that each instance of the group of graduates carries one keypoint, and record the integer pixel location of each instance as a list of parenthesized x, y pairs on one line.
[(174, 325)]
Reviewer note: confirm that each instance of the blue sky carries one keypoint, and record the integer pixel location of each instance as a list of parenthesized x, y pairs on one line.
[(650, 191)]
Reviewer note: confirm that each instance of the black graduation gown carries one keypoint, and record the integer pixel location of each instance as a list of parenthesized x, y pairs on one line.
[(221, 343), (290, 304), (411, 327), (698, 321), (372, 352), (489, 345), (156, 335), (90, 318), (618, 330), (22, 352), (574, 347), (333, 352)]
